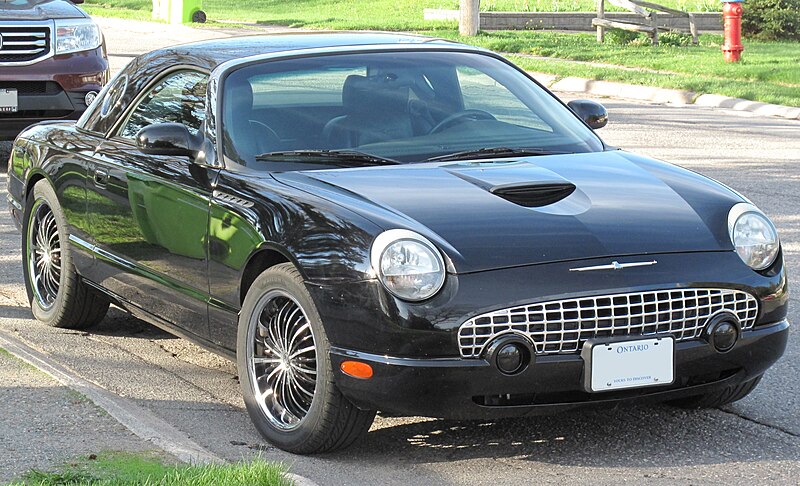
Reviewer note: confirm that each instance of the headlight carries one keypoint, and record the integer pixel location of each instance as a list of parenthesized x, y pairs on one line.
[(407, 264), (76, 35), (753, 236)]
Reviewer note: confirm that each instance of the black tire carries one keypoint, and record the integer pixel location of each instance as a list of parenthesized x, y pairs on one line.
[(718, 398), (294, 421), (64, 301)]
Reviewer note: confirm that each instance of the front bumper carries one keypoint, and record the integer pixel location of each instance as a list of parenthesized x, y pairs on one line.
[(458, 388), (52, 89)]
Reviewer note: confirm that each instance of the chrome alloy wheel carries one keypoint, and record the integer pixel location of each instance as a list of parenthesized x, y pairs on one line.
[(282, 359), (44, 255)]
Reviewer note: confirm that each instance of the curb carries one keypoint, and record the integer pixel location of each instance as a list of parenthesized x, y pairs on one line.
[(663, 95), (138, 420)]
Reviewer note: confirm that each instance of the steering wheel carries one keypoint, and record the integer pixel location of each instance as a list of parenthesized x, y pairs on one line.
[(268, 140), (461, 117)]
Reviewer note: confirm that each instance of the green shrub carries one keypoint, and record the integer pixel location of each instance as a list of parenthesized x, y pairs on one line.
[(621, 37), (675, 39), (771, 19)]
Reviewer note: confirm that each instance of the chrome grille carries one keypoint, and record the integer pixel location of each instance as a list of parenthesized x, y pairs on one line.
[(24, 43), (562, 326)]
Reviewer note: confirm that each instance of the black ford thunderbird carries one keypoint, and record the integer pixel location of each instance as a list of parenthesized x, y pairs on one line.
[(398, 223)]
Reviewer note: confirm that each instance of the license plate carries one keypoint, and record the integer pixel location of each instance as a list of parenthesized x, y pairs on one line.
[(612, 364), (8, 100)]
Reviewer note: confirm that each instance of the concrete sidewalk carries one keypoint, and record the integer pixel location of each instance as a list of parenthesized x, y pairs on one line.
[(44, 425)]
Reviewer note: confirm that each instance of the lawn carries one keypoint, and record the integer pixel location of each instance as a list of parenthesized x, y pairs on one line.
[(359, 14), (768, 72), (128, 469)]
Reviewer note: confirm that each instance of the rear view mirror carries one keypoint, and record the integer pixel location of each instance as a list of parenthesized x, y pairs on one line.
[(593, 113)]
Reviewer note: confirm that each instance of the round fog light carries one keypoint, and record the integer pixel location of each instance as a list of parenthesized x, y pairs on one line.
[(90, 97), (722, 331), (724, 336), (510, 358)]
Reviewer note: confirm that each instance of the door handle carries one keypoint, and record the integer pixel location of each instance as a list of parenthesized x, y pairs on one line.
[(100, 177)]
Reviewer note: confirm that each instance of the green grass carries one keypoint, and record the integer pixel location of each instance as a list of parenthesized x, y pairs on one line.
[(123, 469), (768, 72), (358, 14)]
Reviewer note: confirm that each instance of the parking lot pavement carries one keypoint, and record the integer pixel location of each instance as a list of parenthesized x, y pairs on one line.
[(753, 441)]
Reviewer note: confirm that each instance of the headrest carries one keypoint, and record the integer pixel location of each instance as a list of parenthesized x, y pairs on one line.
[(238, 99), (374, 94)]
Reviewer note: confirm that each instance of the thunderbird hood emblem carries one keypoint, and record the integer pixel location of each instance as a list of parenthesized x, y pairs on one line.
[(615, 265)]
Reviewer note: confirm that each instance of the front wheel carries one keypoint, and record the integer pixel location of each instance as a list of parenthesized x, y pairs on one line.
[(285, 370), (57, 295)]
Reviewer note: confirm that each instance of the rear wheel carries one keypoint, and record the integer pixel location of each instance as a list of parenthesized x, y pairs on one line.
[(285, 370), (719, 398), (57, 295)]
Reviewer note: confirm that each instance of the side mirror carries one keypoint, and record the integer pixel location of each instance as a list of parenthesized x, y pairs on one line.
[(593, 113), (167, 139), (76, 2)]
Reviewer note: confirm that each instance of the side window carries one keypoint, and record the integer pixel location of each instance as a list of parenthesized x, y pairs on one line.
[(178, 98), (497, 100)]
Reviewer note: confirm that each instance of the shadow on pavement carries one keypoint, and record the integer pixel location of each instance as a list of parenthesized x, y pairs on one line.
[(15, 312), (658, 436), (119, 323)]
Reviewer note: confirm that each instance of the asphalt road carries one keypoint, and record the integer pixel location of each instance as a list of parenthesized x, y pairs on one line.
[(753, 441)]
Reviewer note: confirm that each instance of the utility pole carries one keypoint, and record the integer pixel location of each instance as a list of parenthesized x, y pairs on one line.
[(469, 19)]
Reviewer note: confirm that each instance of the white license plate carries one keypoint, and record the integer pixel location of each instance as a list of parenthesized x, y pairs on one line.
[(614, 365), (8, 100)]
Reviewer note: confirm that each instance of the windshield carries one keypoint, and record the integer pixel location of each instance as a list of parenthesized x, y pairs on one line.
[(407, 106)]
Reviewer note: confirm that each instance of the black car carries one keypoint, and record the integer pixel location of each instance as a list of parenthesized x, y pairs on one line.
[(398, 223)]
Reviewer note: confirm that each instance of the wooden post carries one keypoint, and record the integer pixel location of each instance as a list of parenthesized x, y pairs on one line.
[(601, 14), (469, 19), (654, 23), (692, 28)]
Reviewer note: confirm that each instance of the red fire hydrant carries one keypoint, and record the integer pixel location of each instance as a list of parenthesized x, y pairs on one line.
[(732, 24)]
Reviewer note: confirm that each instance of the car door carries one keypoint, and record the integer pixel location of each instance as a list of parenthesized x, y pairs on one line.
[(148, 214)]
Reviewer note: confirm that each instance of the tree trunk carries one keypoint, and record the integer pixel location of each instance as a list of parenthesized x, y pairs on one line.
[(469, 18)]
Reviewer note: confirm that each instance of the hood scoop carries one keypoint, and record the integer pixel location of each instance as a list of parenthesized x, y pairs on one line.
[(520, 183), (534, 195)]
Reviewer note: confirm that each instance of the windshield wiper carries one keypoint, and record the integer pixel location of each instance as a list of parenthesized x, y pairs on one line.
[(343, 158), (487, 152)]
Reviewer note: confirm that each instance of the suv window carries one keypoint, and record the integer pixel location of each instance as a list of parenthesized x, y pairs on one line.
[(177, 98)]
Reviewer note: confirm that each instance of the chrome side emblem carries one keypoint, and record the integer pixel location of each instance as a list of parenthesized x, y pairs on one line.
[(615, 265)]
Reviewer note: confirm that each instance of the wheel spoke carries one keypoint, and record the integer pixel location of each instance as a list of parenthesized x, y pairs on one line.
[(303, 389), (283, 320), (299, 332), (302, 351), (265, 360)]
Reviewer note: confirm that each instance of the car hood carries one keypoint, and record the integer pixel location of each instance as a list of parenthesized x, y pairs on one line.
[(39, 10), (503, 213)]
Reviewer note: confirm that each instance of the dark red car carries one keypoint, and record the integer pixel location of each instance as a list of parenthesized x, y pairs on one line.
[(52, 62)]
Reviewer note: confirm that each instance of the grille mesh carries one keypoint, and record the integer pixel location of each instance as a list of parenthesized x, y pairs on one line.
[(562, 326)]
